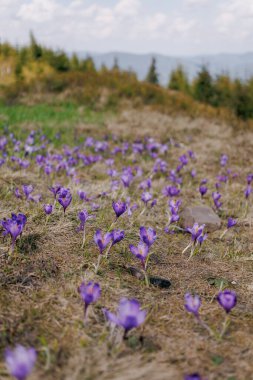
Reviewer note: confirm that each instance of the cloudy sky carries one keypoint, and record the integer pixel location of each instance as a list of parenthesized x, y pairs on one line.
[(171, 27)]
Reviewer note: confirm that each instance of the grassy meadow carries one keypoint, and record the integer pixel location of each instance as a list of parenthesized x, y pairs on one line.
[(40, 306)]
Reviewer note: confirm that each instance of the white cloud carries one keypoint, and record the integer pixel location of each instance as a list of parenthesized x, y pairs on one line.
[(236, 19), (134, 25), (38, 11), (196, 2)]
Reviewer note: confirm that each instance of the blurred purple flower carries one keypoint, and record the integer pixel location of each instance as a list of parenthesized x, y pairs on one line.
[(117, 236), (148, 235), (14, 226), (119, 208), (231, 222), (192, 304), (48, 208), (89, 293), (227, 299), (203, 190), (171, 191), (146, 197), (102, 240), (129, 315), (64, 198), (20, 361)]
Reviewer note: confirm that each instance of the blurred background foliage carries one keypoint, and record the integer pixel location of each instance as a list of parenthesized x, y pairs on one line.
[(34, 74)]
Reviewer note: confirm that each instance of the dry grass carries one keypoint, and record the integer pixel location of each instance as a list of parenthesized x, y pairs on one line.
[(39, 302)]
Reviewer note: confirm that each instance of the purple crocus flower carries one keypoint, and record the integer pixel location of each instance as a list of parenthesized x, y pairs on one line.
[(174, 218), (126, 179), (117, 236), (216, 197), (14, 226), (102, 240), (227, 299), (223, 160), (171, 191), (20, 361), (119, 208), (48, 208), (17, 193), (203, 190), (82, 195), (129, 315), (83, 217), (192, 304), (64, 198), (89, 293), (195, 231), (147, 235), (193, 376), (231, 222), (248, 191), (55, 190), (141, 252), (27, 189), (146, 197)]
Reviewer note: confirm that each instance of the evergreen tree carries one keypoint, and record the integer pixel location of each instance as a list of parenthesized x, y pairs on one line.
[(203, 86), (115, 64), (178, 80), (242, 101), (152, 76), (35, 48)]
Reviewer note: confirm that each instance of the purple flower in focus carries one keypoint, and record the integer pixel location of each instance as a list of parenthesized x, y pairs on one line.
[(231, 222), (117, 236), (227, 299), (141, 252), (48, 208), (102, 240), (148, 235), (195, 231), (20, 361), (192, 304), (89, 293), (129, 315), (64, 198), (119, 208)]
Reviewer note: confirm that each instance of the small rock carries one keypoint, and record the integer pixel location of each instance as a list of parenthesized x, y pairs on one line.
[(160, 282), (201, 215)]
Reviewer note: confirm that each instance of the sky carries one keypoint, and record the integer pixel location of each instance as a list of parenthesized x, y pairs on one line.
[(170, 27)]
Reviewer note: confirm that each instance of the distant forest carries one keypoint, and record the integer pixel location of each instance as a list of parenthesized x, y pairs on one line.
[(37, 68)]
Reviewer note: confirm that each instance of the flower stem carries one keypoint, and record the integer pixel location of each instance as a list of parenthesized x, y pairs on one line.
[(84, 237)]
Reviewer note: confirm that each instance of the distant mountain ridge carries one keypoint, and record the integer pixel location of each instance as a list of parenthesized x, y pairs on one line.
[(236, 65)]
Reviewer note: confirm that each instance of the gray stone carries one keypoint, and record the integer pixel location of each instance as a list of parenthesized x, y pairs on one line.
[(201, 215)]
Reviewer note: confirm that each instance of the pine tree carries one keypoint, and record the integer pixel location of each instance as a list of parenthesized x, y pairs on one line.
[(203, 86), (152, 76), (178, 80)]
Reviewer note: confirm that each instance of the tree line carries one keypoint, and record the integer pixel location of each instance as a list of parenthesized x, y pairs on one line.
[(218, 91)]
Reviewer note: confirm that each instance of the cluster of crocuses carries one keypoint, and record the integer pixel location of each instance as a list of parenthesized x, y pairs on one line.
[(227, 299), (142, 250), (14, 227), (129, 313)]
